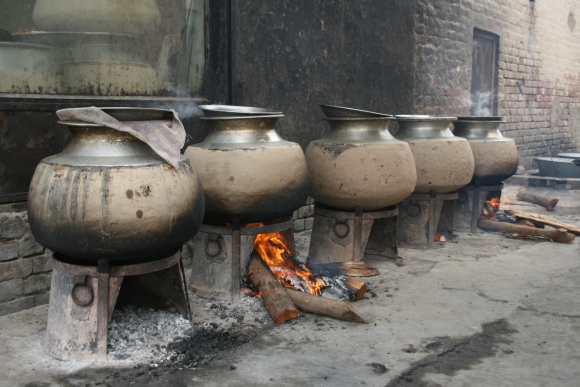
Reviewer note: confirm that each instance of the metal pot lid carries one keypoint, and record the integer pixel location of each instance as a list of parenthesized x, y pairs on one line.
[(332, 111), (230, 110), (481, 118), (222, 118), (569, 155), (419, 117), (137, 114)]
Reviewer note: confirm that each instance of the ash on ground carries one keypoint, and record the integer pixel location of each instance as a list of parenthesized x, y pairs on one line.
[(163, 339)]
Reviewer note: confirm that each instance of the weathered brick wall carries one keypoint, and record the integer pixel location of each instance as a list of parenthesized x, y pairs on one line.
[(539, 46), (24, 264)]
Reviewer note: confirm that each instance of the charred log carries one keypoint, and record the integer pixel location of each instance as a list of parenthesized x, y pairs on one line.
[(325, 307), (277, 301), (356, 288), (544, 201)]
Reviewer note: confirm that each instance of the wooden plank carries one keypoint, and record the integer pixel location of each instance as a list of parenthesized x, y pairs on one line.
[(558, 235), (546, 220), (353, 269)]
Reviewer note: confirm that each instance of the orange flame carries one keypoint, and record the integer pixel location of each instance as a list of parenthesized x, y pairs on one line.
[(490, 208), (274, 250)]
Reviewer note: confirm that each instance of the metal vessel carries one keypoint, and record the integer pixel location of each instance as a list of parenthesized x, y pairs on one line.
[(444, 162), (30, 68), (359, 163), (108, 195), (134, 17), (248, 172), (496, 157)]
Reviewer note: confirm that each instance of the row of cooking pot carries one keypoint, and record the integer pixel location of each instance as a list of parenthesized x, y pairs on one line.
[(248, 171), (109, 195)]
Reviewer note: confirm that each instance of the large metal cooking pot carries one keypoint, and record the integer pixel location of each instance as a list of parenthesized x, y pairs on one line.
[(444, 162), (114, 65), (496, 157), (359, 163), (135, 17), (110, 196), (29, 68), (248, 171)]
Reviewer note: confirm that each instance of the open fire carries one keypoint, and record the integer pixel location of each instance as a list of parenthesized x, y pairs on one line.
[(274, 250), (492, 211)]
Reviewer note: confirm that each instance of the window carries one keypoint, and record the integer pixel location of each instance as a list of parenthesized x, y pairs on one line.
[(484, 74)]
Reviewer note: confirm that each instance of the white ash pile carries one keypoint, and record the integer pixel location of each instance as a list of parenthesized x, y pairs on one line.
[(143, 335), (163, 339)]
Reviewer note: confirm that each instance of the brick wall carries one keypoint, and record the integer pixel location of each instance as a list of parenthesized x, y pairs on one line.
[(24, 264), (539, 46)]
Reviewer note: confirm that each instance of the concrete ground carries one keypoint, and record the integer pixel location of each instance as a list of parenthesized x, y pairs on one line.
[(488, 310)]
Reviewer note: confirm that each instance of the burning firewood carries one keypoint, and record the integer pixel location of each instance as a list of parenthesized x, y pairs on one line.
[(558, 235), (544, 201), (277, 301), (324, 306), (353, 269), (546, 220), (356, 288)]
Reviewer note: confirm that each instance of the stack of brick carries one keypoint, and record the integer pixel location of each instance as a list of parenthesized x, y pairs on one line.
[(303, 217), (25, 266)]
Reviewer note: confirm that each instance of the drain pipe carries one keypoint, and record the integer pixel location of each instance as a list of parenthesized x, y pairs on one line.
[(519, 85)]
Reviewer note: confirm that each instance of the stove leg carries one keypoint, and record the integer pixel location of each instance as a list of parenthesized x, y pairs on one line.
[(357, 252), (475, 210), (236, 257), (184, 286), (432, 223), (103, 308)]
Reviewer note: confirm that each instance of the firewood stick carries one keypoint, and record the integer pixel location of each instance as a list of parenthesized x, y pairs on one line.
[(277, 301), (353, 269), (546, 220), (324, 306), (356, 288), (559, 235), (544, 201)]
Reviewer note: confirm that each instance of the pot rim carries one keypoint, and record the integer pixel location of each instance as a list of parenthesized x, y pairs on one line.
[(346, 112), (31, 45), (482, 119), (422, 117), (391, 118), (263, 116), (233, 110)]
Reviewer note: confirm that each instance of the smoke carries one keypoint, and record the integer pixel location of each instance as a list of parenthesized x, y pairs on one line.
[(480, 104), (185, 109)]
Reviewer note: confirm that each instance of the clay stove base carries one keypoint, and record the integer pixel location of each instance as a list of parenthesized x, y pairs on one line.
[(221, 255), (422, 217), (342, 236), (470, 203), (82, 299)]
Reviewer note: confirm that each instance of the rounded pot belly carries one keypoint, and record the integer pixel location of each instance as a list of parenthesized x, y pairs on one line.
[(117, 213), (495, 160), (443, 165), (372, 176), (252, 184)]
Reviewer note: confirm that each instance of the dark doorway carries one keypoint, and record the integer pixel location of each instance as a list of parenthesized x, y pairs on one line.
[(484, 74)]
